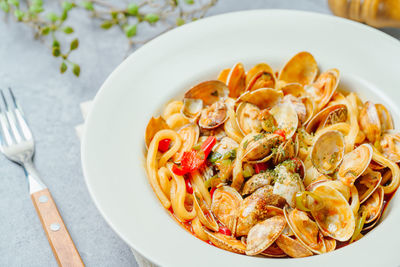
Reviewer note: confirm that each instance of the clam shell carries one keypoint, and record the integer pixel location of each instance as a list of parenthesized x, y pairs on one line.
[(247, 118), (369, 122), (213, 116), (258, 206), (390, 144), (203, 212), (209, 92), (286, 117), (259, 148), (355, 163), (236, 80), (264, 234), (301, 68), (367, 183), (155, 125), (385, 118), (327, 116), (273, 251), (261, 67), (328, 151), (263, 79), (226, 242), (336, 218), (374, 205), (294, 89), (191, 108), (324, 87), (223, 75), (292, 247), (305, 230), (263, 98), (225, 203), (257, 181)]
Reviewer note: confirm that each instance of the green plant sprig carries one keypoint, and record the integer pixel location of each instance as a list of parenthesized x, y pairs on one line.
[(49, 25)]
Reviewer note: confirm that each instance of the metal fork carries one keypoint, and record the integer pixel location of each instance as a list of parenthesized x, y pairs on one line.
[(17, 144)]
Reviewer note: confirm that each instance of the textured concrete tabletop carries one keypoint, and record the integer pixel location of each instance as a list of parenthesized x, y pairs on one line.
[(52, 102)]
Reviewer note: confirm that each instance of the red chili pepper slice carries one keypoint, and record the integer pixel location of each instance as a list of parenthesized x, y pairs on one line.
[(212, 191), (224, 230), (281, 133), (189, 187), (163, 145), (192, 160), (258, 167)]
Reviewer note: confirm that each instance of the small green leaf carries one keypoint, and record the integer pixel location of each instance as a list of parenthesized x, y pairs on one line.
[(67, 6), (37, 2), (114, 14), (56, 51), (180, 21), (76, 70), (52, 16), (133, 9), (63, 67), (14, 2), (107, 24), (87, 5), (68, 30), (130, 30), (151, 18), (74, 44), (56, 43), (64, 15), (18, 14), (36, 9), (189, 2), (44, 30), (4, 6)]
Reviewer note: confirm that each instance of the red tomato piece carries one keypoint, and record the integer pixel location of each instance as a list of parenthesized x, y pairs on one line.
[(163, 145), (281, 133), (178, 171), (224, 230), (212, 191), (258, 167)]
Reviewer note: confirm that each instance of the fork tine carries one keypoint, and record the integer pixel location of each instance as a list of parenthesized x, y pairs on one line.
[(20, 117), (5, 127), (11, 119)]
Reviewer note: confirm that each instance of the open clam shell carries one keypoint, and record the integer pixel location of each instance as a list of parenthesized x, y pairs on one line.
[(324, 87), (259, 147), (263, 79), (328, 116), (203, 212), (286, 150), (301, 68), (367, 183), (263, 234), (273, 251), (263, 98), (335, 218), (247, 117), (294, 89), (226, 242), (236, 80), (257, 181), (261, 67), (286, 117), (390, 144), (292, 247), (155, 125), (189, 135), (330, 243), (328, 151), (373, 205), (209, 92), (369, 122), (225, 203), (385, 117), (223, 75), (305, 230), (354, 164), (191, 108), (214, 115), (258, 206)]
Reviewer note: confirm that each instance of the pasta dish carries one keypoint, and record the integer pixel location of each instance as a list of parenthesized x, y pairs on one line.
[(272, 163)]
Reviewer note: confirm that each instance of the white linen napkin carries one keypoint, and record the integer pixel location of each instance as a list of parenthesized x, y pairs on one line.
[(85, 108)]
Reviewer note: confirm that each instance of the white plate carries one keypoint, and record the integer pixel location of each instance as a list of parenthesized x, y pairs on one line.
[(113, 150)]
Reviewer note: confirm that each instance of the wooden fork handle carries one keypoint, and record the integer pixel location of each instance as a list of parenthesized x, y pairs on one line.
[(60, 241)]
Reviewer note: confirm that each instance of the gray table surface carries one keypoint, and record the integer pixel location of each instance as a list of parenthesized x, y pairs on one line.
[(52, 102)]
